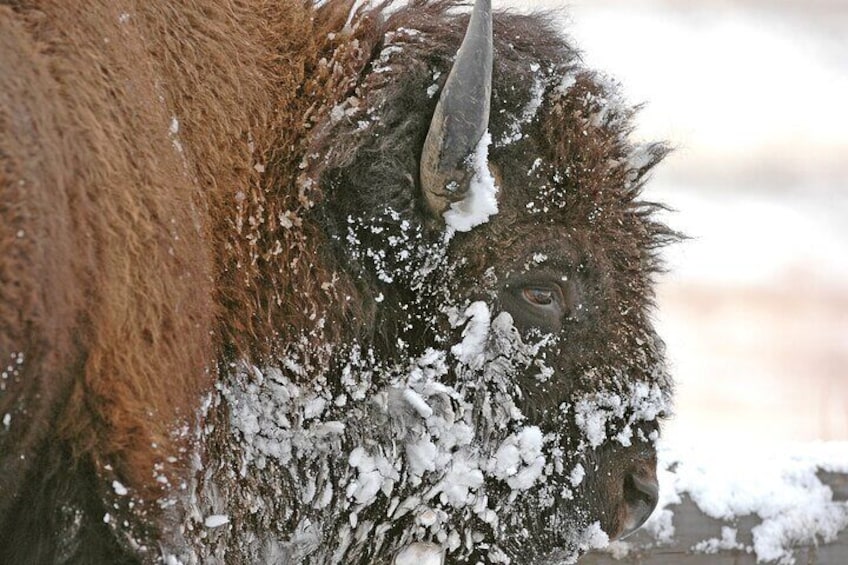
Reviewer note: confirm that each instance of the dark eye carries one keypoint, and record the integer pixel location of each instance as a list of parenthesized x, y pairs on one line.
[(539, 296)]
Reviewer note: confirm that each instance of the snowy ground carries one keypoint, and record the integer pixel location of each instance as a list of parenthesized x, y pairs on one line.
[(755, 310)]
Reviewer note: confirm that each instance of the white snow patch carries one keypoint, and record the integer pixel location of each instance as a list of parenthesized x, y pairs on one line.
[(375, 473), (529, 112), (463, 477), (577, 475), (480, 202), (420, 554), (216, 520), (471, 349), (119, 488), (419, 404), (594, 537), (641, 402), (519, 460), (782, 489), (714, 545)]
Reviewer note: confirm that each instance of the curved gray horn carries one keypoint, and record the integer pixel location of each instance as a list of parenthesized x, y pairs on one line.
[(461, 116)]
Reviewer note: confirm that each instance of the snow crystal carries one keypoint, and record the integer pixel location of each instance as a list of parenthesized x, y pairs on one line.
[(577, 474), (420, 554), (419, 404), (480, 202), (216, 520), (173, 131), (529, 111), (594, 537), (421, 457), (470, 350)]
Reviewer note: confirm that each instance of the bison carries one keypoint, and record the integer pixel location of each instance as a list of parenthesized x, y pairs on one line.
[(284, 282)]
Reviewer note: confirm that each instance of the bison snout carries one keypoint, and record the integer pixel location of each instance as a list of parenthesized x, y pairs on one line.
[(641, 493)]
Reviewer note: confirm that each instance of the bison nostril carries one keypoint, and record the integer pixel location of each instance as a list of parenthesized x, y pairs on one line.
[(641, 494)]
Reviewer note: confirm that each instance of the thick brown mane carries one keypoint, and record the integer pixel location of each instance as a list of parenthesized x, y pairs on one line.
[(133, 138)]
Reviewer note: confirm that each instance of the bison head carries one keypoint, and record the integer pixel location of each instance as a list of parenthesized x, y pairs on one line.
[(499, 397)]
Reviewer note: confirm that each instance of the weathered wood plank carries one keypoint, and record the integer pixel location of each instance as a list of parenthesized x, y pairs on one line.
[(692, 527)]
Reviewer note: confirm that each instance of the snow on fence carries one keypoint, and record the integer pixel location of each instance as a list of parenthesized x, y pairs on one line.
[(744, 506)]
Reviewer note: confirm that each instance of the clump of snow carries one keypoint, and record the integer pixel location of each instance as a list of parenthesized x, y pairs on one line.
[(216, 520), (461, 481), (577, 474), (782, 489), (480, 201), (420, 554), (374, 473), (640, 402), (713, 545), (471, 349), (519, 460), (593, 537)]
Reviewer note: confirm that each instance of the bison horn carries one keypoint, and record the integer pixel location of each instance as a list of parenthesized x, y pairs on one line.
[(461, 116)]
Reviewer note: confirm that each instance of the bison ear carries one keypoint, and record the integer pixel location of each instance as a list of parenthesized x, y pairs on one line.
[(461, 116)]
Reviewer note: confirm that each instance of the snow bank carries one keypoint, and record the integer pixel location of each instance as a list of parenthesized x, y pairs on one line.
[(780, 489)]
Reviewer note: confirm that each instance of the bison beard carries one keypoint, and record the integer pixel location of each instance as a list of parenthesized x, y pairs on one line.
[(240, 330)]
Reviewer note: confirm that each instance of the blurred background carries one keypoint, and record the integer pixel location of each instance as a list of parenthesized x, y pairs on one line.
[(754, 96)]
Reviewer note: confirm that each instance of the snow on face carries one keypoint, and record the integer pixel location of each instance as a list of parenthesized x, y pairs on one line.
[(434, 444), (428, 464)]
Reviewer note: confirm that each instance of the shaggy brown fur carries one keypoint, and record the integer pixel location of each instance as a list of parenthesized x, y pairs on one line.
[(129, 132)]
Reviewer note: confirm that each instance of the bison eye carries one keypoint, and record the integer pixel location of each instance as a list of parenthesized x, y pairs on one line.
[(539, 301), (539, 296)]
